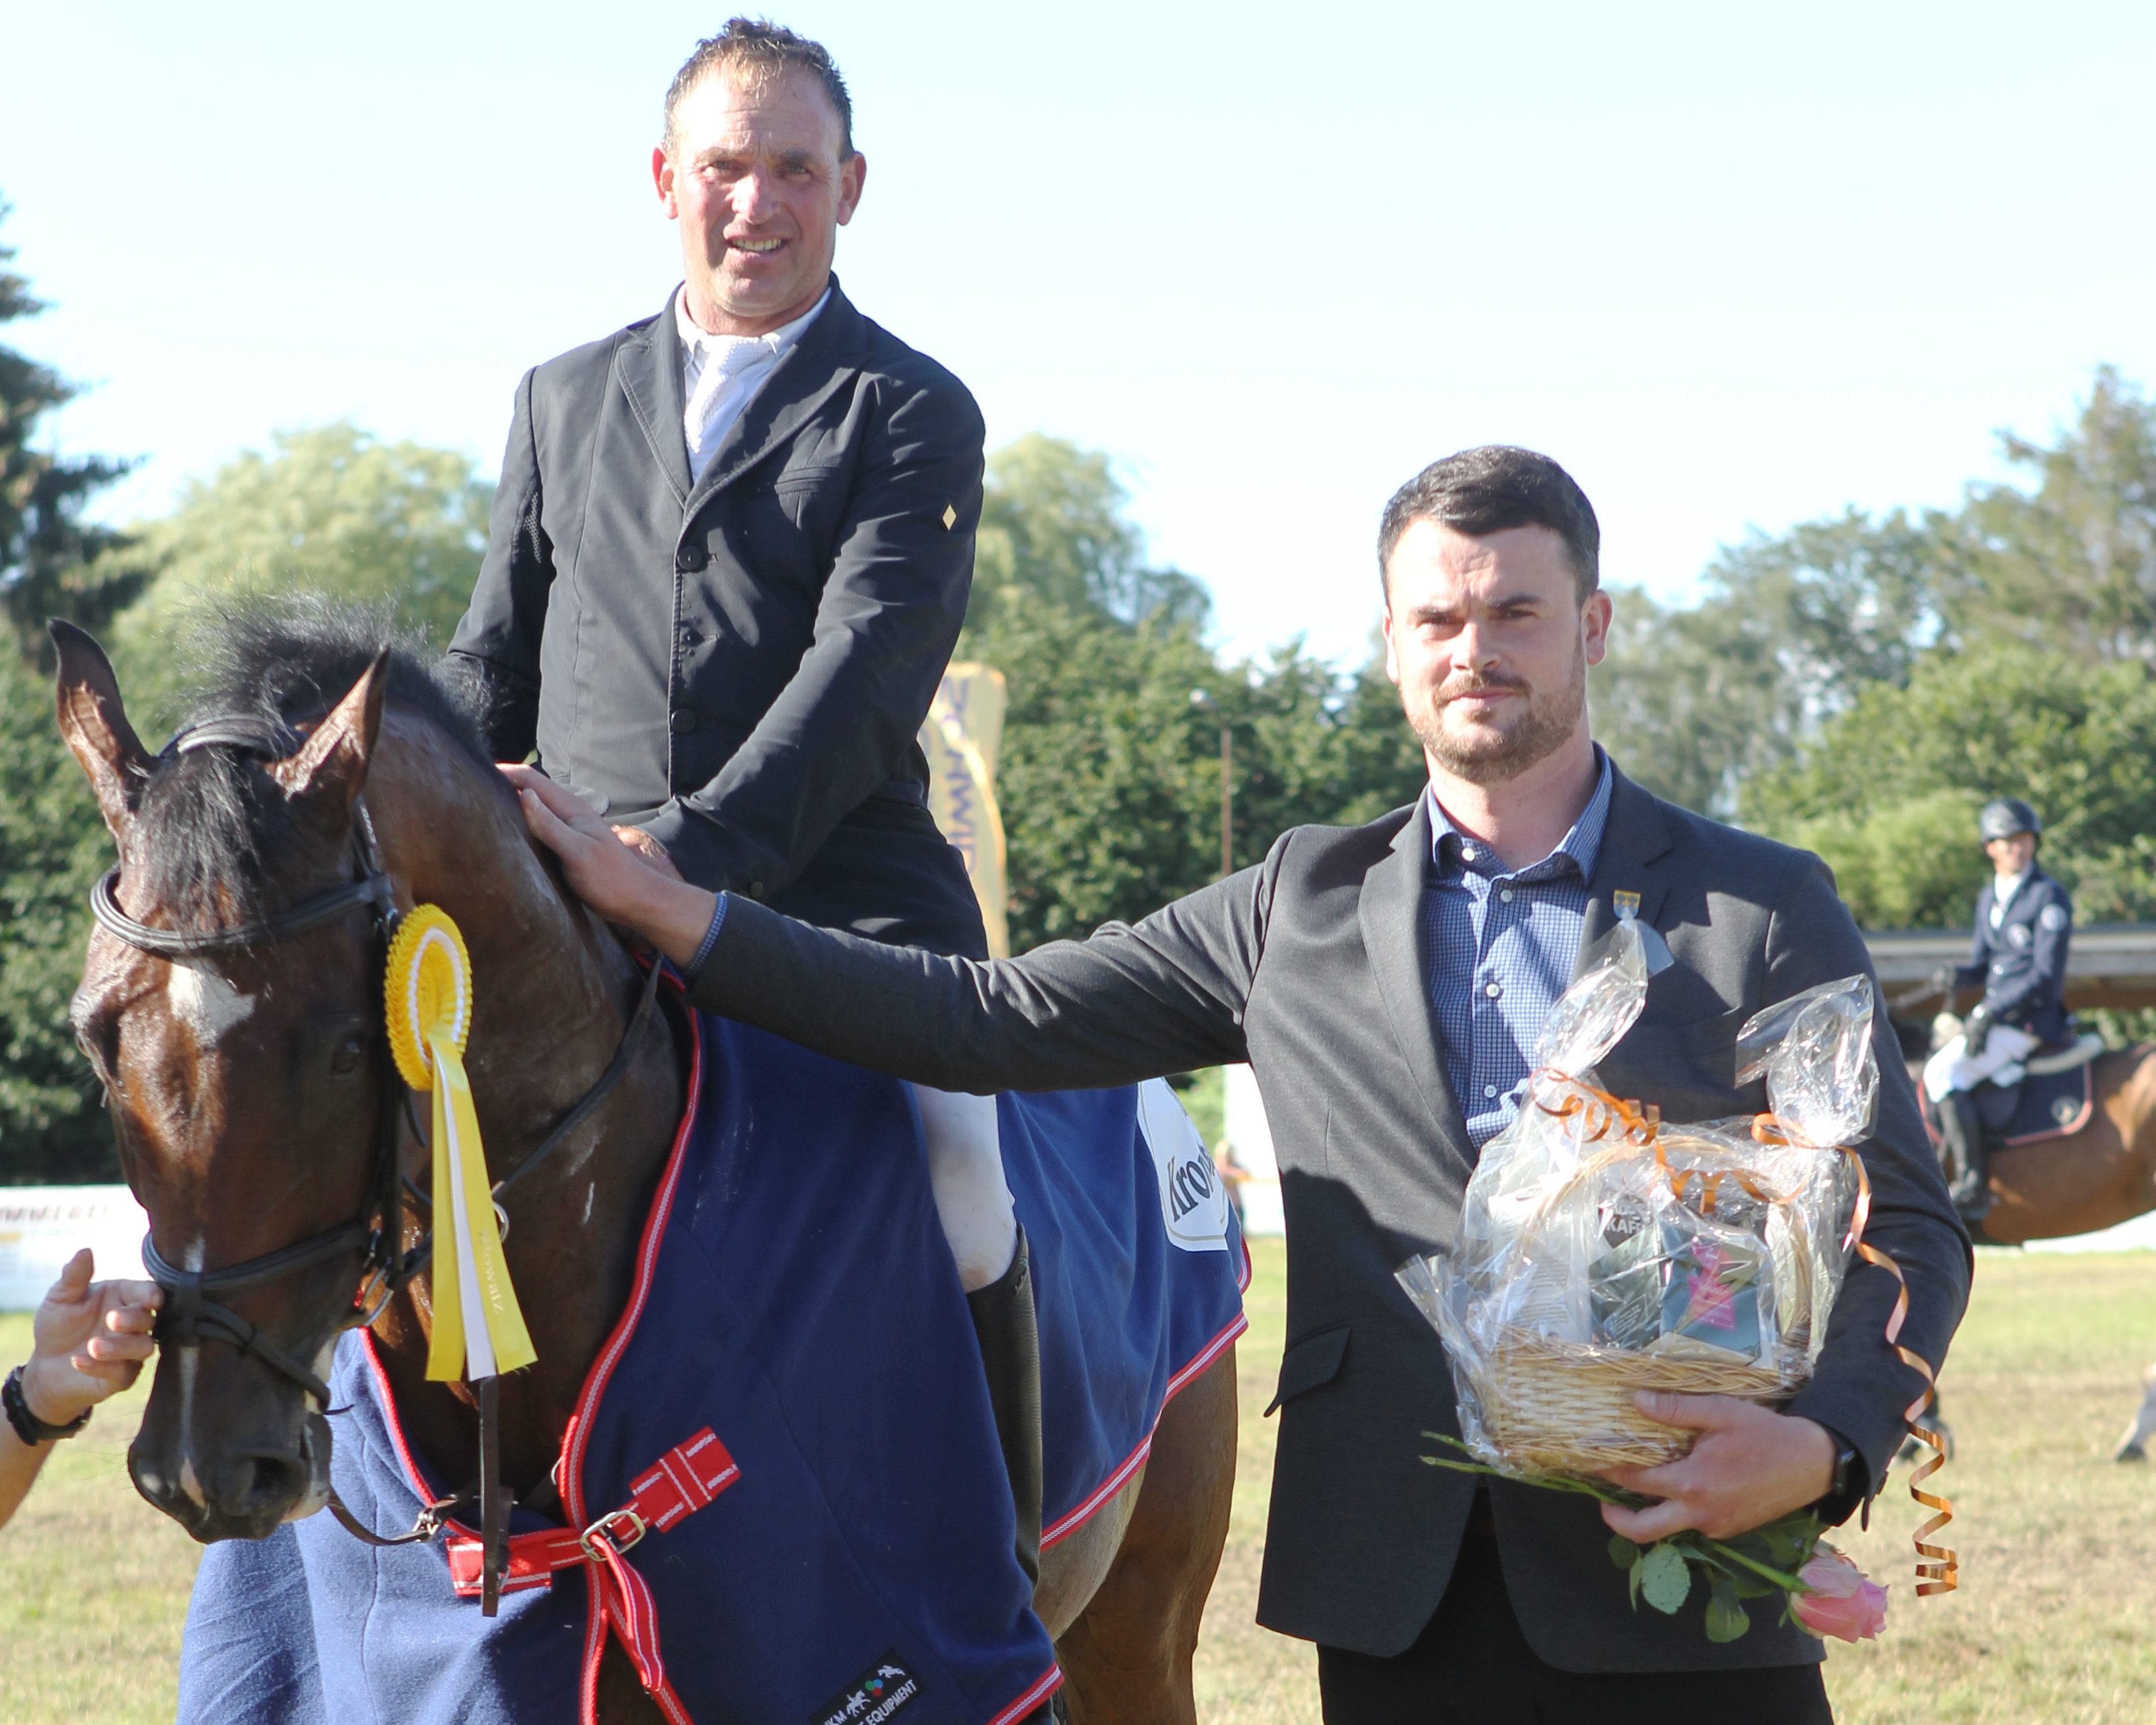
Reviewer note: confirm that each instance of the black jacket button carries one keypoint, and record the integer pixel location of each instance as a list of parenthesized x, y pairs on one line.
[(690, 557), (685, 721)]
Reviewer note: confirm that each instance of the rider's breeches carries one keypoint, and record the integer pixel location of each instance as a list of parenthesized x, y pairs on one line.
[(966, 1173)]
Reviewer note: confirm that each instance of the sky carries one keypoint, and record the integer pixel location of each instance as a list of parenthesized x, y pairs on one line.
[(1735, 267)]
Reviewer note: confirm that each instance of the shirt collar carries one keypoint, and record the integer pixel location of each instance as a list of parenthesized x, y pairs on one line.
[(1582, 845), (702, 345), (2005, 886)]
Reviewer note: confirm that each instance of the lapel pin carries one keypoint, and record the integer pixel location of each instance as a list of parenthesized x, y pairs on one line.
[(1626, 904), (950, 517)]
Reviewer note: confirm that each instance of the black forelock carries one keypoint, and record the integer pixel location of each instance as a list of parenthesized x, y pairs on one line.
[(211, 820)]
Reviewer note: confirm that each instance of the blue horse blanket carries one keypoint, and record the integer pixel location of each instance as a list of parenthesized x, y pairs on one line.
[(793, 1401)]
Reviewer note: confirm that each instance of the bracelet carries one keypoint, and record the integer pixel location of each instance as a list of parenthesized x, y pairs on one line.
[(695, 966), (28, 1427)]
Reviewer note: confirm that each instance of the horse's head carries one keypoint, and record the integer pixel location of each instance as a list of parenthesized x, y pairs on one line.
[(243, 1074)]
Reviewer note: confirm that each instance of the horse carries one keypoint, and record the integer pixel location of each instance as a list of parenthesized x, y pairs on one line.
[(2097, 1177), (260, 1124)]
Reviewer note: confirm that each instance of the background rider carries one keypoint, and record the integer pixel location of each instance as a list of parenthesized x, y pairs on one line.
[(2024, 924)]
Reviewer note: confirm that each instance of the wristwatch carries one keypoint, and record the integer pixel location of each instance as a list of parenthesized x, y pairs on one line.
[(28, 1427), (1845, 1486)]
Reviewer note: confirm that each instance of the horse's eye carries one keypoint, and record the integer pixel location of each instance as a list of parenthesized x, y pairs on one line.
[(347, 1057)]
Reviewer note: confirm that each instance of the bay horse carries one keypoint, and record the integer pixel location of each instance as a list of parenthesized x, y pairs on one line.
[(2102, 1175), (249, 1095)]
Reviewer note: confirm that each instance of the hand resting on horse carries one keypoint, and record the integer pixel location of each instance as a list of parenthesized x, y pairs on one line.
[(1750, 1466), (613, 868), (618, 877), (89, 1341)]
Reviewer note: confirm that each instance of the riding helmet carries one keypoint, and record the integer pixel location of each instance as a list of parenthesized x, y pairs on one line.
[(2005, 816)]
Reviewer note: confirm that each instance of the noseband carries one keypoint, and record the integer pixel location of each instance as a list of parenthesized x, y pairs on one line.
[(191, 1314)]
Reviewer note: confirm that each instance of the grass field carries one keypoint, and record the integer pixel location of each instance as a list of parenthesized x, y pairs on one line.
[(2056, 1620)]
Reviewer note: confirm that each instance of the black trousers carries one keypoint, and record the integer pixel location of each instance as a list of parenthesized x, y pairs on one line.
[(1472, 1666)]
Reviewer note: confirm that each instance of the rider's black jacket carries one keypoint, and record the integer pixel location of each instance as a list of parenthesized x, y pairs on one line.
[(738, 664), (2021, 964)]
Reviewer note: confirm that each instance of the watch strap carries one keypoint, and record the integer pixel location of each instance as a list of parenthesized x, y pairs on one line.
[(28, 1427)]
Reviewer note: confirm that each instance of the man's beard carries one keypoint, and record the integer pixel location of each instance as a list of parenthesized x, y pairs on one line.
[(1493, 754)]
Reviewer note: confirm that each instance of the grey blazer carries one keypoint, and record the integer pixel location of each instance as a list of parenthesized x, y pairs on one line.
[(1312, 967), (739, 663)]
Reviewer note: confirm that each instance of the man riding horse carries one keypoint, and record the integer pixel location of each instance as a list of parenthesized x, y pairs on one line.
[(730, 555), (2024, 922)]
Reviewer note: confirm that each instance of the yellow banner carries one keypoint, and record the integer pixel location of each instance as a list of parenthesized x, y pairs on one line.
[(962, 738)]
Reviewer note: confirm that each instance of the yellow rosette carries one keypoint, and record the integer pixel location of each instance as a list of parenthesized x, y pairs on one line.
[(429, 992)]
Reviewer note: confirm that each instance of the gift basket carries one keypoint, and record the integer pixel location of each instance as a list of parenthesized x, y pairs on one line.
[(1603, 1252)]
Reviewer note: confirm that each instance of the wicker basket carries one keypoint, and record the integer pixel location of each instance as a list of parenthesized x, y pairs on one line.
[(1566, 1407), (1554, 1406)]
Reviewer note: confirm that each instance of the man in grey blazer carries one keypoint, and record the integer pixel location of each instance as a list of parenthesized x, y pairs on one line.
[(1384, 982)]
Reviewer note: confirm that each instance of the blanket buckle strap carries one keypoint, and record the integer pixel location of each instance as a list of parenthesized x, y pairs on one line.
[(604, 1529)]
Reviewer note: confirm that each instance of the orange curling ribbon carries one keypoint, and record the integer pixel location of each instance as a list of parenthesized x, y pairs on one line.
[(1639, 1122), (1938, 1569)]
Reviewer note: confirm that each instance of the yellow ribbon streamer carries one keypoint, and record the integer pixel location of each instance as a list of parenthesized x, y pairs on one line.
[(479, 1330)]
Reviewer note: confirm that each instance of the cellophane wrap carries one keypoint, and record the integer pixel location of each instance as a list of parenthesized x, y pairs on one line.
[(1602, 1251)]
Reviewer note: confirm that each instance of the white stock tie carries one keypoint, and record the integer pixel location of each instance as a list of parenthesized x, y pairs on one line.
[(733, 366)]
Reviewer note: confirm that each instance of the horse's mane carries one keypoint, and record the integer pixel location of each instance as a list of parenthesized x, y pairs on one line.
[(209, 819)]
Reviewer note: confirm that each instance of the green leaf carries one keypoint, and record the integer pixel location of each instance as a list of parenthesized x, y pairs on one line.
[(1725, 1618), (1665, 1577), (1622, 1552), (1632, 1583)]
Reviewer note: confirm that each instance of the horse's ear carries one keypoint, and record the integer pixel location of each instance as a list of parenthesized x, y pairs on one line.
[(95, 724), (331, 768)]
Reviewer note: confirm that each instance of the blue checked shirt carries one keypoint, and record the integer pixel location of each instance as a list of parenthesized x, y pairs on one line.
[(1501, 948)]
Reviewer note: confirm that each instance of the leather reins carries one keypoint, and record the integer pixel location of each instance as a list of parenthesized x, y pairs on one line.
[(192, 1313)]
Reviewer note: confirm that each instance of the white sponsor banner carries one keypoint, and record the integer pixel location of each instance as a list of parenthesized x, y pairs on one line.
[(1249, 1140), (2138, 1234), (42, 1227)]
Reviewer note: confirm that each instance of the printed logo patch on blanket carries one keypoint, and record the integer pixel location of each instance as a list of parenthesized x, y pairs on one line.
[(872, 1698), (1193, 1203)]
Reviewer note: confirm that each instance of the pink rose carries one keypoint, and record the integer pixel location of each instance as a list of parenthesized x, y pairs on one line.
[(1842, 1602)]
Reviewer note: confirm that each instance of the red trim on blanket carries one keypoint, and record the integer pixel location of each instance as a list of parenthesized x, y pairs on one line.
[(1077, 1517), (1045, 1685), (571, 1466)]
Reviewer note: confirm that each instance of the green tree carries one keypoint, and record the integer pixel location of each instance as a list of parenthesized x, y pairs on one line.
[(46, 551), (51, 846), (330, 509), (2070, 565), (1693, 702), (1888, 792), (1110, 777)]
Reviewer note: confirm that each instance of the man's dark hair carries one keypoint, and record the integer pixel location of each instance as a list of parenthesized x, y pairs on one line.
[(765, 50), (1482, 491)]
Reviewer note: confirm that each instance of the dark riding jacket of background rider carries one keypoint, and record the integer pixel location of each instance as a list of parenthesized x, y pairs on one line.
[(740, 663), (2021, 964)]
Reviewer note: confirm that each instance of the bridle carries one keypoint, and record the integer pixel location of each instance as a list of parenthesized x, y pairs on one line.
[(192, 1312)]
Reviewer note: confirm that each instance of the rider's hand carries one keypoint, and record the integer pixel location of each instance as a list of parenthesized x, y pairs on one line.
[(90, 1340), (612, 875), (1749, 1466), (1976, 1030)]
